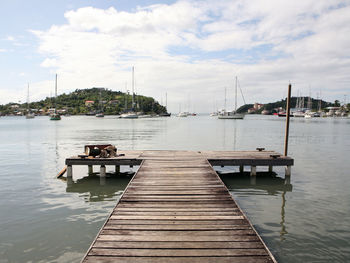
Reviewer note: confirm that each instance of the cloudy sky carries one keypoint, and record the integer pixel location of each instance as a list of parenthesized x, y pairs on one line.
[(191, 50)]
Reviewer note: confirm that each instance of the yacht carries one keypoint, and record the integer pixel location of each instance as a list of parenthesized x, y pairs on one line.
[(231, 114)]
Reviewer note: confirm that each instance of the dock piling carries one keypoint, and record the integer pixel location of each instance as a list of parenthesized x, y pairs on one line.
[(117, 169), (103, 171), (253, 170), (90, 169), (241, 169), (288, 171), (270, 169), (69, 171)]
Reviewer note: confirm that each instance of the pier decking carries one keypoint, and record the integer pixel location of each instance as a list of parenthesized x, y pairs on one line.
[(177, 209)]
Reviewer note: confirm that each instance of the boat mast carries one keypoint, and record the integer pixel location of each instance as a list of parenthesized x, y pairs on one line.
[(225, 100), (166, 101), (236, 95), (126, 96), (55, 92), (28, 99), (133, 89)]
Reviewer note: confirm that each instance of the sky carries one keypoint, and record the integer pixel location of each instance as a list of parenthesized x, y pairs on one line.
[(190, 50)]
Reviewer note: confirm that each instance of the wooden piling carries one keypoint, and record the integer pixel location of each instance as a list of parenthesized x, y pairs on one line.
[(69, 171), (287, 120)]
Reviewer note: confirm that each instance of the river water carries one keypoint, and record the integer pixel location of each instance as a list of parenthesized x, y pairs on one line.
[(44, 220)]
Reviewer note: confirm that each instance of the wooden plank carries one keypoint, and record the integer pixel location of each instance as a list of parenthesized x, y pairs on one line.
[(174, 218), (171, 244), (109, 259), (177, 222), (178, 252), (144, 238), (116, 226), (181, 233)]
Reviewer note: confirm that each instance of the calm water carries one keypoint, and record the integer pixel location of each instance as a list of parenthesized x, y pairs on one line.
[(43, 220)]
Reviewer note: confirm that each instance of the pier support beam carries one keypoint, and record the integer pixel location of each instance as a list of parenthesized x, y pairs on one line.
[(241, 169), (253, 170), (69, 171), (103, 171), (288, 171), (90, 169), (117, 169), (270, 169)]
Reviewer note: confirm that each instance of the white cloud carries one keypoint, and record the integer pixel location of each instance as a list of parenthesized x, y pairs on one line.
[(308, 42), (2, 50)]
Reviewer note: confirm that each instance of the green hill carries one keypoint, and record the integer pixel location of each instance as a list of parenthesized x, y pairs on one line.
[(111, 102)]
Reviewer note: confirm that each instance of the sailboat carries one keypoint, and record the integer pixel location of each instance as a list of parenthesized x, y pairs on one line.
[(29, 115), (231, 114), (165, 114), (100, 114), (55, 116), (131, 114)]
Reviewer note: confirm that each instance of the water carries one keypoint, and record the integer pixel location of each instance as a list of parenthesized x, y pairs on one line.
[(43, 220)]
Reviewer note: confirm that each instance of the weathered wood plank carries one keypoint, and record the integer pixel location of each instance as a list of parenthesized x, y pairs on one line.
[(171, 244), (116, 226), (144, 238), (177, 252), (111, 259)]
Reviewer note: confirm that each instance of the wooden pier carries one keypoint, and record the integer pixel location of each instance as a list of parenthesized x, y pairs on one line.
[(177, 209)]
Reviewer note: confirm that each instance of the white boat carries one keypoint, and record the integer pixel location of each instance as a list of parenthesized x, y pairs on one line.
[(213, 114), (231, 114), (29, 114), (129, 115), (182, 114), (55, 116), (299, 113)]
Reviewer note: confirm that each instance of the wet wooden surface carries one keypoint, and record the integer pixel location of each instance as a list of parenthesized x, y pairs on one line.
[(176, 209)]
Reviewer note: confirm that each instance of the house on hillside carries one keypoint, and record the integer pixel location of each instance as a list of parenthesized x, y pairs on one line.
[(89, 103)]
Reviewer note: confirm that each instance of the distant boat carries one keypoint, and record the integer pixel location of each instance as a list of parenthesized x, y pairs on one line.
[(213, 114), (29, 114), (129, 115), (231, 114), (182, 114), (55, 116), (100, 113)]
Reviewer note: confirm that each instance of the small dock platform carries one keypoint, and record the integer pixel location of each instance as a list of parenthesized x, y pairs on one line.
[(177, 209)]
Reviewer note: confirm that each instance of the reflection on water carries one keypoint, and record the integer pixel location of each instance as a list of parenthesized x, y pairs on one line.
[(264, 183), (91, 189)]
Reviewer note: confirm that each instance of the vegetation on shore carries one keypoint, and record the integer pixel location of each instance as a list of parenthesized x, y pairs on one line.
[(75, 103), (273, 106)]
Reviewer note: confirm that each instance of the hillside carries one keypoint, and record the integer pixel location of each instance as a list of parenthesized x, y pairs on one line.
[(111, 102), (282, 104)]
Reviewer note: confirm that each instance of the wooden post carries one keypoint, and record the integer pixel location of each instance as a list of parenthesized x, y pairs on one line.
[(288, 170), (117, 169), (241, 169), (270, 168), (287, 120), (253, 170), (90, 169), (103, 171), (69, 171)]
